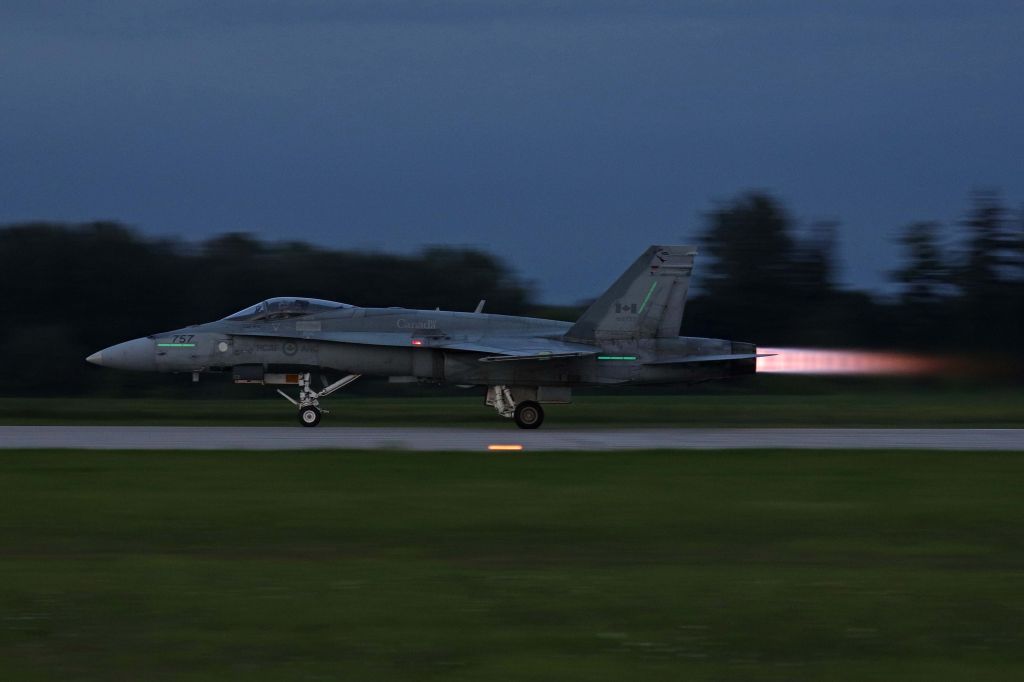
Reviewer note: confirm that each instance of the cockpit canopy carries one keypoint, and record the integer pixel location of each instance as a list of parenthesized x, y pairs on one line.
[(283, 307)]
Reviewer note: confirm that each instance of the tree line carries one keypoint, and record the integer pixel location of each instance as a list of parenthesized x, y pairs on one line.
[(67, 290), (958, 287)]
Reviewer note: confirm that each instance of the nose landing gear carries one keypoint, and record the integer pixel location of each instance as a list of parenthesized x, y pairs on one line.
[(309, 400), (309, 415)]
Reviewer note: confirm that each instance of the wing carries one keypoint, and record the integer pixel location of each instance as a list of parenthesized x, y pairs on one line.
[(687, 359), (508, 349)]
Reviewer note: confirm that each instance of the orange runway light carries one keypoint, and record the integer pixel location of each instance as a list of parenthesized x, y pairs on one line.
[(500, 446), (847, 362)]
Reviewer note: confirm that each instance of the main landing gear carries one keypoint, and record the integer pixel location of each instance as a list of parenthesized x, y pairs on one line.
[(528, 414), (309, 400)]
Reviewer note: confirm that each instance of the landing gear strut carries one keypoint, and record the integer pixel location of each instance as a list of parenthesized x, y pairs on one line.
[(309, 400)]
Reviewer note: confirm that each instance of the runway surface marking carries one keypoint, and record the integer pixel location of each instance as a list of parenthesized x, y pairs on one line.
[(398, 438)]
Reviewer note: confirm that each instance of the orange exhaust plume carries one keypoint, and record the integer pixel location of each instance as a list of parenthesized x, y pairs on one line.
[(848, 362)]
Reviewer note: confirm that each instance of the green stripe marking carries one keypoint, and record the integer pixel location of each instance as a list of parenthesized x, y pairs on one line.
[(616, 357), (648, 296), (176, 345)]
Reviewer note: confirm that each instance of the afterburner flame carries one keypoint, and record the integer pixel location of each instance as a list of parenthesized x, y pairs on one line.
[(846, 362)]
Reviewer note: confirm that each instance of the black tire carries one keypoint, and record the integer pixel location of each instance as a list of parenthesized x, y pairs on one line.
[(309, 416), (529, 415)]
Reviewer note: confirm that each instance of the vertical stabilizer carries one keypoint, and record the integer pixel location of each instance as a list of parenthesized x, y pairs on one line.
[(645, 302)]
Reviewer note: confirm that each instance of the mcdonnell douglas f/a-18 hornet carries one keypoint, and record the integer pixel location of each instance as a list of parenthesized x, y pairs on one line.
[(630, 335)]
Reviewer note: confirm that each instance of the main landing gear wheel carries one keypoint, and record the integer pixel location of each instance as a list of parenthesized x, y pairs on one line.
[(309, 416), (529, 415)]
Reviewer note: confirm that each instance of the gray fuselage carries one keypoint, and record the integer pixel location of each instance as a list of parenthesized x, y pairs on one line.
[(415, 344)]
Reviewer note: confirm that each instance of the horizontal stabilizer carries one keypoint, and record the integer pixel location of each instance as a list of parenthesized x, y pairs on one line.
[(687, 359)]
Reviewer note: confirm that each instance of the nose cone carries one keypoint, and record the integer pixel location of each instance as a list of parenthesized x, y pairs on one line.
[(137, 354)]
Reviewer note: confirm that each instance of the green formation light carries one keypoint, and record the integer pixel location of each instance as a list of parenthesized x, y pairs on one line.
[(648, 296)]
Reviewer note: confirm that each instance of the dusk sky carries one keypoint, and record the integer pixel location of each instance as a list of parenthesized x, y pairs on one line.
[(563, 136)]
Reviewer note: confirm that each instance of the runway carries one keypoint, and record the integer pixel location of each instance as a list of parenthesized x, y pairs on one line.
[(298, 438)]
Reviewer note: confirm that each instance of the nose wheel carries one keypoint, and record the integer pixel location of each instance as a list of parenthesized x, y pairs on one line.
[(310, 416), (309, 400)]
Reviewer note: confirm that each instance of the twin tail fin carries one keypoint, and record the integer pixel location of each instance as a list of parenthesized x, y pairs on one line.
[(646, 302)]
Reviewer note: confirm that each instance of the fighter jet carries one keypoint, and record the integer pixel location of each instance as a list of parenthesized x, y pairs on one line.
[(630, 335)]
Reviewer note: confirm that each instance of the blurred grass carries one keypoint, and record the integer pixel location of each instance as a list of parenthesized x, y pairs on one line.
[(571, 566), (1000, 407)]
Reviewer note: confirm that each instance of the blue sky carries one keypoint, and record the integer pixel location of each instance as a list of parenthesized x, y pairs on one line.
[(562, 136)]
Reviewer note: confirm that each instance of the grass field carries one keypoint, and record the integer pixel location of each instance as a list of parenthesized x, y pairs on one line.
[(572, 566), (997, 407)]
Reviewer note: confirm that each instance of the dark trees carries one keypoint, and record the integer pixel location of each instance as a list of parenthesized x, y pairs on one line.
[(759, 280), (989, 275), (69, 290)]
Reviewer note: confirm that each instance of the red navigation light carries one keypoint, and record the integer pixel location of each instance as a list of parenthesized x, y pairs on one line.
[(417, 342)]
